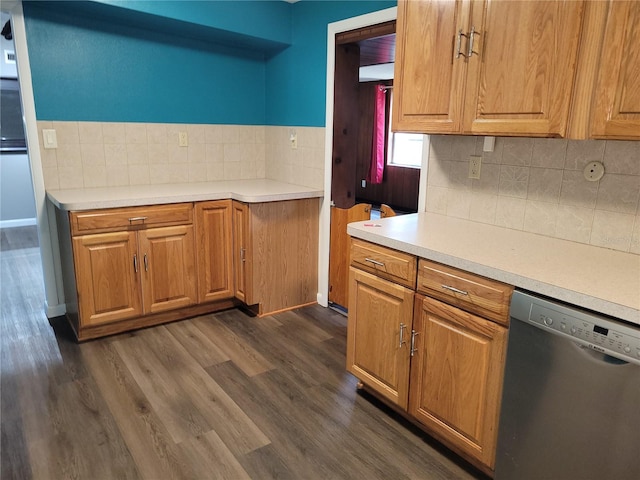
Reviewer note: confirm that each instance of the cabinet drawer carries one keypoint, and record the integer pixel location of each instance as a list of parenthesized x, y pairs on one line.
[(130, 218), (470, 292), (384, 262)]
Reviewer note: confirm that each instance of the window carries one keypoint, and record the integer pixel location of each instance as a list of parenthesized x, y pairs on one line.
[(403, 149)]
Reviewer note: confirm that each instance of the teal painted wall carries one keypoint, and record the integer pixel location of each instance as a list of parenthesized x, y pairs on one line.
[(296, 77), (99, 62)]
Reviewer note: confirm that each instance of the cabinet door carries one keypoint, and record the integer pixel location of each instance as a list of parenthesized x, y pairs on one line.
[(429, 74), (106, 277), (520, 80), (168, 268), (241, 253), (378, 334), (215, 265), (456, 377), (616, 110)]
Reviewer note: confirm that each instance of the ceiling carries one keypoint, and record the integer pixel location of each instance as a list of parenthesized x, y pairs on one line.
[(374, 51), (377, 58)]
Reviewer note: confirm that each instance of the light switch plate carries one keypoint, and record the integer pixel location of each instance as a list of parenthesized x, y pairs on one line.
[(49, 138)]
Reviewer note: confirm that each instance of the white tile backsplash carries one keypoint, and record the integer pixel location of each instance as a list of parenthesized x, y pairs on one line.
[(537, 185), (91, 154)]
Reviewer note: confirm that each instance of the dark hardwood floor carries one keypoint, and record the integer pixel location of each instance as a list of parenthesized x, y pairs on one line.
[(222, 396)]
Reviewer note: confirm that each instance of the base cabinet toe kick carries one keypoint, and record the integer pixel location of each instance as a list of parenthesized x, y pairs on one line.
[(430, 341), (133, 267)]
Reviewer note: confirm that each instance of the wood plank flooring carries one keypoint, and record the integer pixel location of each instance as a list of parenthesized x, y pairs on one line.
[(222, 396)]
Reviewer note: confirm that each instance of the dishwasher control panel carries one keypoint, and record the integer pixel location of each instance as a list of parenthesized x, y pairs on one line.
[(602, 335)]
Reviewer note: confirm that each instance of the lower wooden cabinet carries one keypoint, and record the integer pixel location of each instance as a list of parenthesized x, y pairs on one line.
[(456, 377), (242, 286), (440, 364), (168, 268), (122, 275), (214, 250), (378, 335), (275, 254), (132, 267), (108, 282)]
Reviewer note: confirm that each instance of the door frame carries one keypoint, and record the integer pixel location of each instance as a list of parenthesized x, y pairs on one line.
[(333, 29)]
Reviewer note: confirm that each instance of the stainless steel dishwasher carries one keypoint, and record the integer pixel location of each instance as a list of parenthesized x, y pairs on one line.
[(571, 395)]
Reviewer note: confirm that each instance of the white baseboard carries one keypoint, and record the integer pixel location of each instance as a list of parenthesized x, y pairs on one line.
[(55, 310), (18, 222), (322, 300)]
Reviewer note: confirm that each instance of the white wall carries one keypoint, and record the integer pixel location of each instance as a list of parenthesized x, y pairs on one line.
[(17, 205)]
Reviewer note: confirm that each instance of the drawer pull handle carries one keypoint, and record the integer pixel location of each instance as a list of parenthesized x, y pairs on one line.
[(413, 342), (402, 327), (135, 263), (146, 263), (375, 262), (137, 219), (455, 290)]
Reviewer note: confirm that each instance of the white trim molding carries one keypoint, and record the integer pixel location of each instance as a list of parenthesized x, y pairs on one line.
[(54, 296), (346, 25)]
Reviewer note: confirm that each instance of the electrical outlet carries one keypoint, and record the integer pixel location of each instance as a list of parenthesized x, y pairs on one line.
[(293, 139), (183, 139), (475, 162)]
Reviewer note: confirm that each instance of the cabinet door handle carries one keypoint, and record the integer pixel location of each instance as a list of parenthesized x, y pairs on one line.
[(454, 289), (402, 327), (242, 259), (137, 219), (146, 263), (459, 44), (135, 263), (375, 262), (471, 37), (413, 342)]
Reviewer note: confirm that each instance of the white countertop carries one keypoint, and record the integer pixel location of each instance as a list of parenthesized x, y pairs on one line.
[(250, 191), (595, 278)]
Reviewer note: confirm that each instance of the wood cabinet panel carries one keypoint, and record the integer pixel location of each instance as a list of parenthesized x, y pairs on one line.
[(168, 268), (521, 78), (214, 250), (456, 377), (377, 351), (106, 278), (616, 107), (429, 76), (283, 254)]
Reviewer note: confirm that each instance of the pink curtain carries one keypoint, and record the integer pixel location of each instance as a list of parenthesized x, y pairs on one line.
[(376, 168)]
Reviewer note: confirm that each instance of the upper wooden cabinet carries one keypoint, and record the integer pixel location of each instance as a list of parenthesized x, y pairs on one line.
[(616, 97), (485, 67)]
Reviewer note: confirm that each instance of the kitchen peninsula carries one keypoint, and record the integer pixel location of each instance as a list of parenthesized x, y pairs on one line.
[(595, 278), (143, 255)]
